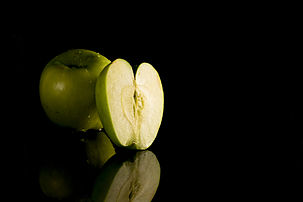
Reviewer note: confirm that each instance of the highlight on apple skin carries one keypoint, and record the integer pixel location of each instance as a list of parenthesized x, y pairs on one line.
[(130, 107), (67, 89)]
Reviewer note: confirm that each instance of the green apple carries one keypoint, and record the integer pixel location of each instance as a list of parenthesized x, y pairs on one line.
[(67, 88), (135, 178), (99, 149), (130, 108)]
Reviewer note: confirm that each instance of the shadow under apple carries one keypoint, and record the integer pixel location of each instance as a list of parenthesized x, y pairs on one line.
[(99, 149)]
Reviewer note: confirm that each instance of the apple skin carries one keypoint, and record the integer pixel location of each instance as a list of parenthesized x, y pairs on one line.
[(67, 89)]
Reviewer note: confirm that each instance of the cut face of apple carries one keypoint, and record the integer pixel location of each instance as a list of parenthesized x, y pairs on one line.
[(134, 178), (130, 107)]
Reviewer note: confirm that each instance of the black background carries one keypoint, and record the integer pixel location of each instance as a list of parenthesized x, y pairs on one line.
[(231, 108)]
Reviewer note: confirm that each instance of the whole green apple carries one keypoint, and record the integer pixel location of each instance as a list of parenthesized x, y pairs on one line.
[(67, 89)]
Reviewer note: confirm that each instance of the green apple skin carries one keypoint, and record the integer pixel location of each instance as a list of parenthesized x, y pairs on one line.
[(103, 108), (132, 177), (99, 150), (139, 133), (67, 89)]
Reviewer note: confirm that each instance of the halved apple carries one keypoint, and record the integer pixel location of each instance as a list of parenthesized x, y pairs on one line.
[(130, 108)]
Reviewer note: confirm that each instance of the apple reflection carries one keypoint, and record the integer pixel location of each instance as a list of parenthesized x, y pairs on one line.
[(131, 177), (88, 167), (56, 181)]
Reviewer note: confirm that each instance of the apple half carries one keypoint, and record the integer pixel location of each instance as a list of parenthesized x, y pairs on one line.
[(130, 107), (128, 178)]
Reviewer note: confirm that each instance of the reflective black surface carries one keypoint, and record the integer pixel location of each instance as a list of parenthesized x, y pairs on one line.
[(64, 172)]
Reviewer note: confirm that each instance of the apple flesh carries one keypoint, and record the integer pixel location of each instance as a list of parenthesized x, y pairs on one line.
[(130, 108), (135, 178), (67, 89)]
